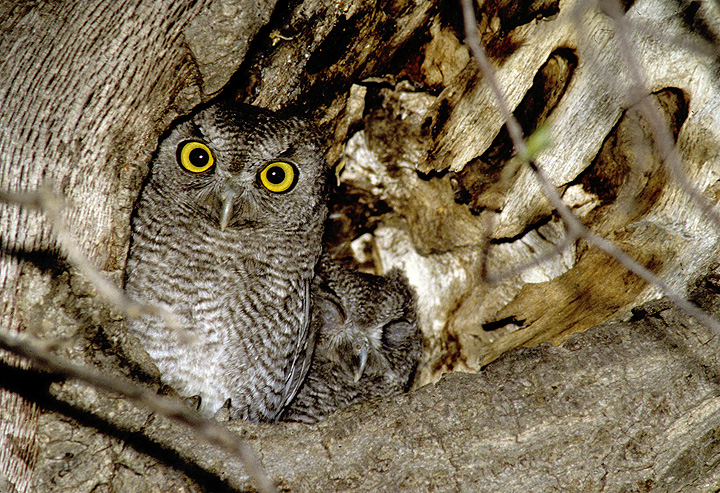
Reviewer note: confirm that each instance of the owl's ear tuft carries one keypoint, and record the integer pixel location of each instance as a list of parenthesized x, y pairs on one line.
[(194, 156)]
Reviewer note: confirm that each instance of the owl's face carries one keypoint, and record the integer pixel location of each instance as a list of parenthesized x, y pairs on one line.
[(236, 165)]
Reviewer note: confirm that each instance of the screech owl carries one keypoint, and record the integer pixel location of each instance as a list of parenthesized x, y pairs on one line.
[(226, 234), (368, 342)]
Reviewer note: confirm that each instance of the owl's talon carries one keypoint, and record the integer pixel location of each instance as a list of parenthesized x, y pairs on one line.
[(223, 414), (194, 402)]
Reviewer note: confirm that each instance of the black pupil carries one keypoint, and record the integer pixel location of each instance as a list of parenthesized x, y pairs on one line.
[(276, 175), (199, 157)]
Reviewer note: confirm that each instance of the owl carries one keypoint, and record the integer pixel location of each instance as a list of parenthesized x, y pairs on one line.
[(368, 342), (226, 234)]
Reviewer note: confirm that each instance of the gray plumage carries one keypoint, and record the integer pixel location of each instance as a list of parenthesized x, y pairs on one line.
[(231, 258), (368, 343)]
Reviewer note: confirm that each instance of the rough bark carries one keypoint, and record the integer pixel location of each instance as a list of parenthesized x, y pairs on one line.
[(624, 406), (86, 88), (429, 185)]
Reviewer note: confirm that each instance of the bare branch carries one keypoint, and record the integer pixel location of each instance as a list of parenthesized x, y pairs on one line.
[(473, 41), (661, 133), (212, 432), (556, 250), (579, 230), (575, 226), (51, 205)]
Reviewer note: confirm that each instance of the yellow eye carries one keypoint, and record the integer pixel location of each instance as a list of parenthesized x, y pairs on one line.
[(279, 176), (195, 156)]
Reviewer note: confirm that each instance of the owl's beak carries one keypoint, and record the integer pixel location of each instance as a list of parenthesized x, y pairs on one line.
[(363, 355), (226, 211)]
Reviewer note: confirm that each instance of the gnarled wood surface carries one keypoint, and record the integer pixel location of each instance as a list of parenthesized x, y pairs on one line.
[(428, 184)]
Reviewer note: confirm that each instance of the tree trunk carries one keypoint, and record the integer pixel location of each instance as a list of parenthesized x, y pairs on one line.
[(429, 184), (86, 89)]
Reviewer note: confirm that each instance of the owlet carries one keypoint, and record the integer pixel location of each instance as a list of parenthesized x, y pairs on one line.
[(368, 342)]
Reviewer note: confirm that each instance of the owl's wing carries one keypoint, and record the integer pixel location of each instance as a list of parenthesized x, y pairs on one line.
[(302, 356)]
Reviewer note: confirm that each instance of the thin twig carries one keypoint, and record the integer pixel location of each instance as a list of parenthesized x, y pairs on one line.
[(214, 433), (472, 38), (514, 129), (639, 92), (553, 252), (578, 229), (211, 431), (574, 225), (51, 205)]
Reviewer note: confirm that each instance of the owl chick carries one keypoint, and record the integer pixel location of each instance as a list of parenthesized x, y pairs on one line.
[(368, 343), (226, 234)]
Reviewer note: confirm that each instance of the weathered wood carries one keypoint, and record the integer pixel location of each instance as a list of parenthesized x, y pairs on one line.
[(574, 78), (317, 50), (86, 88)]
